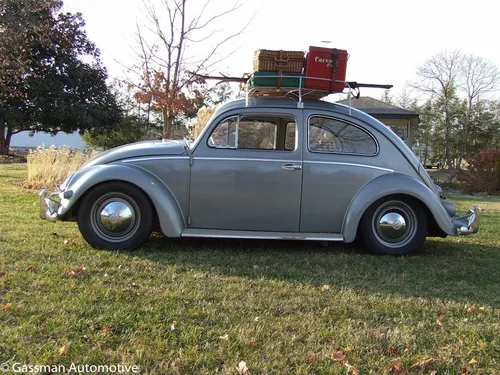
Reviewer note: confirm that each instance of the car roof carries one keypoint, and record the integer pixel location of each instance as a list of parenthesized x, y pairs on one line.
[(278, 103), (291, 103)]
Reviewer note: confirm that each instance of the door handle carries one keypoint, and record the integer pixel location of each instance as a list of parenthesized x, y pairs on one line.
[(291, 167)]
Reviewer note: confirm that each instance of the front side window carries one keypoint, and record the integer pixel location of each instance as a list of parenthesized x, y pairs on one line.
[(257, 134), (266, 132), (332, 135)]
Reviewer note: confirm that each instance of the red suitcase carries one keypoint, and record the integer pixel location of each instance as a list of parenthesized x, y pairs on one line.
[(329, 64)]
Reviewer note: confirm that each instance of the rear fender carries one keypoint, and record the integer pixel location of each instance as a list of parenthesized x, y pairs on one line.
[(170, 215), (394, 184)]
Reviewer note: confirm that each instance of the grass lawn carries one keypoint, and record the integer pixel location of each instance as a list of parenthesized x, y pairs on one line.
[(203, 306)]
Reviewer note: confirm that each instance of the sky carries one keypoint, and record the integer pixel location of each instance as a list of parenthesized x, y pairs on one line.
[(386, 39)]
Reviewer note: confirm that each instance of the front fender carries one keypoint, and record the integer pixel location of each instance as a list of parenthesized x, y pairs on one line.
[(391, 184), (169, 212)]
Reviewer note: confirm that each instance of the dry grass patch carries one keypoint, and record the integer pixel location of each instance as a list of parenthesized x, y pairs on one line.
[(48, 167)]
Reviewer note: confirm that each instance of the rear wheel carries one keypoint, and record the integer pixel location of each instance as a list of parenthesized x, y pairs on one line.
[(395, 226), (115, 215)]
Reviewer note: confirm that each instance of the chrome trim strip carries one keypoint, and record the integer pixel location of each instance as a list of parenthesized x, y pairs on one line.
[(247, 159), (348, 164), (240, 234), (146, 158)]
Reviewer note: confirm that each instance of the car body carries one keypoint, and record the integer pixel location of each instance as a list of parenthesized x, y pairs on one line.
[(268, 169)]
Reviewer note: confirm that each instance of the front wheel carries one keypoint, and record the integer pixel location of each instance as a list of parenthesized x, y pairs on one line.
[(394, 226), (115, 216)]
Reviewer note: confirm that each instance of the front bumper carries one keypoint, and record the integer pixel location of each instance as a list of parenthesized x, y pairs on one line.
[(469, 223), (52, 205)]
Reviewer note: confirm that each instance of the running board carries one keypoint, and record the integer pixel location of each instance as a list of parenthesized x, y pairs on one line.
[(217, 233)]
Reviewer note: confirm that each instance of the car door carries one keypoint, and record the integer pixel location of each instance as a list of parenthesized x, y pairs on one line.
[(340, 157), (247, 173)]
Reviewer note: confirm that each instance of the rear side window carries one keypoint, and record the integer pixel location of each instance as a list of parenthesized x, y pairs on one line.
[(336, 136)]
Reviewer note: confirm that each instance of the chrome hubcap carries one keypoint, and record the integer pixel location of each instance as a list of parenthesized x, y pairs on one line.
[(394, 224), (115, 217)]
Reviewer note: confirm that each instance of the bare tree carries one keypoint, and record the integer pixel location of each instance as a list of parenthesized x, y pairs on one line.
[(438, 77), (479, 77), (165, 70)]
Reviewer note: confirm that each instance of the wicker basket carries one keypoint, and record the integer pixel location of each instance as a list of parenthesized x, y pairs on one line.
[(278, 61)]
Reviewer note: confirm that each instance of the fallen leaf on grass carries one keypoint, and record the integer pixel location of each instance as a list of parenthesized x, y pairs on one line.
[(397, 367), (440, 320), (78, 273), (471, 309), (424, 364), (7, 306), (174, 325), (312, 358), (325, 287), (473, 362), (31, 267), (463, 370), (339, 355), (224, 338), (351, 369), (107, 331), (242, 368), (63, 350), (393, 351), (251, 344), (44, 325), (196, 313), (68, 242)]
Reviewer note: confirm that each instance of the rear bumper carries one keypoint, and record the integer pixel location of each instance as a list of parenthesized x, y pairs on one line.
[(469, 223), (53, 205)]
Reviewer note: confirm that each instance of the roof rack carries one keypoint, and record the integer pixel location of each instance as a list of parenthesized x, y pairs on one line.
[(296, 92), (299, 93)]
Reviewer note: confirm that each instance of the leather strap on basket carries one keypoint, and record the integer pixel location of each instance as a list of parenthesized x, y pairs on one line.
[(335, 64), (280, 69)]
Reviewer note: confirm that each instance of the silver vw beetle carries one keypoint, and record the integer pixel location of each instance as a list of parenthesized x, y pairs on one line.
[(266, 169)]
